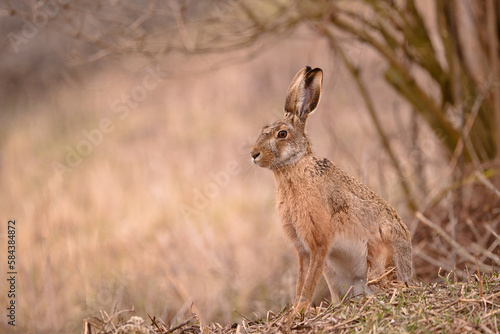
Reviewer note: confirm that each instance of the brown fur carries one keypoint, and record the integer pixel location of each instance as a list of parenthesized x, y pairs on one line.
[(339, 227)]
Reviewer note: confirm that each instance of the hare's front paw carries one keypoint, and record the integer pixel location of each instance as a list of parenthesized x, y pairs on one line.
[(302, 308)]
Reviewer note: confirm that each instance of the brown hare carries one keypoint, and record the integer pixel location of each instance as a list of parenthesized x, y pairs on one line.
[(339, 227)]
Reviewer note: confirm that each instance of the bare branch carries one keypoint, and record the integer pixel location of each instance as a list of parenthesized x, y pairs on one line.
[(373, 114), (459, 248)]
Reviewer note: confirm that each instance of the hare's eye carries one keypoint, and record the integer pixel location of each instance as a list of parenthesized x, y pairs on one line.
[(282, 134)]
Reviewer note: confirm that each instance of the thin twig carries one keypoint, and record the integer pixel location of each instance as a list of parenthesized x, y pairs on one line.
[(381, 277), (480, 280), (487, 184), (172, 329), (468, 125), (153, 321), (346, 295), (461, 250)]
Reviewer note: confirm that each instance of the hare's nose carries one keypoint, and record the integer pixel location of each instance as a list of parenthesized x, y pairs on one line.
[(254, 153)]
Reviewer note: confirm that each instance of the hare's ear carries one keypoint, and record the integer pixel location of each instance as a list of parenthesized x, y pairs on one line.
[(304, 92)]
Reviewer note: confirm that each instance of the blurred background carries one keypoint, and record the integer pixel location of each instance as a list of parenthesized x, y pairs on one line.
[(125, 130)]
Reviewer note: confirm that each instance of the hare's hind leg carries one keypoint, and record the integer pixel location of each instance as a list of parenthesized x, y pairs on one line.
[(341, 283), (346, 270), (380, 260), (386, 255)]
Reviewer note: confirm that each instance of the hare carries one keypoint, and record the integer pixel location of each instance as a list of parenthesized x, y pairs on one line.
[(340, 228)]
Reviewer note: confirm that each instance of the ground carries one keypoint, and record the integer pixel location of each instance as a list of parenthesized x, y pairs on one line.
[(447, 307)]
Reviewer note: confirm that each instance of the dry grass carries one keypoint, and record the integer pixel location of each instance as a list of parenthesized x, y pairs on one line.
[(447, 307)]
